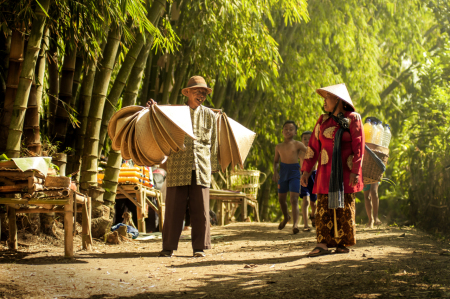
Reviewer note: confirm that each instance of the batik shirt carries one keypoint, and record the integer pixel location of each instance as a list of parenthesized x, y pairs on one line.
[(320, 149), (199, 155)]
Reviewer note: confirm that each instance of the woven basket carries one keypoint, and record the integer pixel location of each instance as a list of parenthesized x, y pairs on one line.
[(370, 170), (247, 181)]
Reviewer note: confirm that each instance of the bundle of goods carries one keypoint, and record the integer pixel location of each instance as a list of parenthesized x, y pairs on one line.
[(235, 141), (149, 135), (131, 175), (376, 155)]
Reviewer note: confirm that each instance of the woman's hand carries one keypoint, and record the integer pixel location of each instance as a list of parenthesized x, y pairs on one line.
[(354, 179), (304, 179)]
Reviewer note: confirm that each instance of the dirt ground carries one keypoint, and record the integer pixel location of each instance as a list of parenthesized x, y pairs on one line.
[(249, 260)]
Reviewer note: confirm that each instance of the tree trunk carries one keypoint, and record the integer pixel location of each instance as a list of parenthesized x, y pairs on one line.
[(102, 78), (179, 78), (5, 46), (171, 60), (12, 82), (110, 181), (117, 88), (132, 89), (154, 74), (26, 78), (77, 79), (83, 108), (65, 95), (53, 83), (31, 130), (143, 95)]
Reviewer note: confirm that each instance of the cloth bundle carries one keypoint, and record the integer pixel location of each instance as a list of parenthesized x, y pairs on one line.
[(235, 141), (148, 135)]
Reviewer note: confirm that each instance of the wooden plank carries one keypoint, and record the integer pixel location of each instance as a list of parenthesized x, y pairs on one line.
[(12, 240), (39, 210), (244, 211), (39, 201), (13, 201), (16, 188), (122, 191), (68, 228), (82, 199), (257, 211), (57, 181), (8, 164), (152, 205)]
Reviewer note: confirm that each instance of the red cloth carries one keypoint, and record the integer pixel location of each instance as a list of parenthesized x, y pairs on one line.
[(320, 148)]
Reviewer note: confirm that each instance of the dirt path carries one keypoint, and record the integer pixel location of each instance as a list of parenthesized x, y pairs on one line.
[(387, 262)]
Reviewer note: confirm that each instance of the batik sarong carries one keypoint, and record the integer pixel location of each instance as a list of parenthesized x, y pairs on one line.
[(345, 218)]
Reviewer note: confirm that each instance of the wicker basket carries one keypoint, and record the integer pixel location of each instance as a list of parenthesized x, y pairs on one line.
[(247, 181), (370, 170)]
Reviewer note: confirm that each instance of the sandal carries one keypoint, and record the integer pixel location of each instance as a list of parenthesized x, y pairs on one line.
[(283, 223), (313, 220), (321, 252), (341, 249)]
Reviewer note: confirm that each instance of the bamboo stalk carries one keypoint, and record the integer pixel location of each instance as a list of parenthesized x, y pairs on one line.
[(117, 88), (12, 82), (91, 140), (131, 92), (53, 82), (143, 95), (31, 129), (111, 178), (26, 78), (65, 94)]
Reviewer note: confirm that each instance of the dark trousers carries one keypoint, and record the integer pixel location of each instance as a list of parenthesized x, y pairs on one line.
[(177, 199)]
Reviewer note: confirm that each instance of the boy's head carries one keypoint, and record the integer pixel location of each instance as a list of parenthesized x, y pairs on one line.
[(305, 137), (289, 129)]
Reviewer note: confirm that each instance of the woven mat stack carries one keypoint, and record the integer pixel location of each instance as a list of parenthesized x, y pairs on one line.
[(149, 135)]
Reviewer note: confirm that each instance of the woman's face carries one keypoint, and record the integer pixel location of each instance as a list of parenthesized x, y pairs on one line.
[(329, 102)]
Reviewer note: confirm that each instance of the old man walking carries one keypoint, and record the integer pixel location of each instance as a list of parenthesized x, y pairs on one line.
[(189, 175)]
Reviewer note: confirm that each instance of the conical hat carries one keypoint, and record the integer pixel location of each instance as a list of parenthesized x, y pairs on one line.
[(145, 140), (121, 124), (177, 121), (339, 90), (157, 134), (124, 112), (132, 148), (124, 141), (224, 143), (168, 138), (243, 137)]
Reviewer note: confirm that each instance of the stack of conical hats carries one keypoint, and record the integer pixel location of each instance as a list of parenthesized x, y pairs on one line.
[(235, 141), (149, 135)]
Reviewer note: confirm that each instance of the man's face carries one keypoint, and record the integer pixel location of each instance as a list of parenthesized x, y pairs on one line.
[(305, 139), (289, 131), (196, 96)]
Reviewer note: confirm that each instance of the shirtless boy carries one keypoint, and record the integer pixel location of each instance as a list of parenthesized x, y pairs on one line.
[(306, 192), (289, 177)]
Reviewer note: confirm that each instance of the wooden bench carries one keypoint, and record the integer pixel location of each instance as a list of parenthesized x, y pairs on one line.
[(138, 194), (66, 202), (229, 201)]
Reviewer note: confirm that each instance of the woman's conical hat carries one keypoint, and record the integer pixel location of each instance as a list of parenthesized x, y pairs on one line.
[(339, 90)]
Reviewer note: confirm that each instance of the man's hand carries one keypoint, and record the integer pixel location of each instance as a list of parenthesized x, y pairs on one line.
[(304, 179), (150, 103), (354, 179), (276, 177)]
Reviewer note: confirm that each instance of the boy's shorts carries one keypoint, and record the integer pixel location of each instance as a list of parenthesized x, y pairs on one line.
[(289, 178), (367, 187), (308, 191)]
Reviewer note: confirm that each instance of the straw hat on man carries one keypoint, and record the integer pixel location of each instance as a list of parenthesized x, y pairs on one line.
[(189, 175)]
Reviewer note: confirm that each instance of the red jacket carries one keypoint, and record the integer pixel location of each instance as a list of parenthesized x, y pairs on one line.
[(320, 148)]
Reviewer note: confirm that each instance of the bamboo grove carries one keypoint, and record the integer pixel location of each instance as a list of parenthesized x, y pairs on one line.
[(67, 66)]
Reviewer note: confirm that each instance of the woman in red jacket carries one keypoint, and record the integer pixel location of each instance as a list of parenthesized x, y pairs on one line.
[(338, 144)]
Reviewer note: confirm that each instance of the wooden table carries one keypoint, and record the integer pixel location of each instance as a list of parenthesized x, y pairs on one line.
[(138, 194), (228, 201), (65, 201)]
